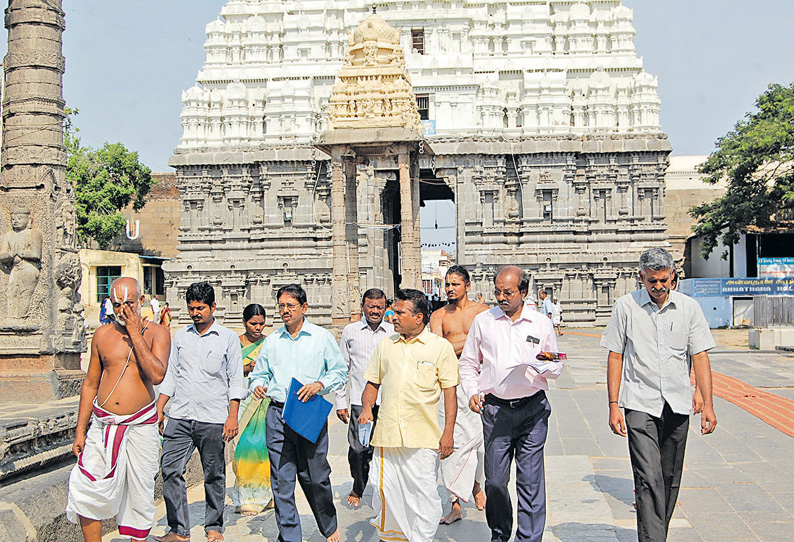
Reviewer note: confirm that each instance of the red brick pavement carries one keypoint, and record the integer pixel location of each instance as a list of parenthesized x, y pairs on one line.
[(775, 410)]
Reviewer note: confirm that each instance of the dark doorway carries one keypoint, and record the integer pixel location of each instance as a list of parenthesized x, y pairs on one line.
[(439, 231)]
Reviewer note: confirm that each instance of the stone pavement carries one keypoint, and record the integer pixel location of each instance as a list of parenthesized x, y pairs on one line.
[(738, 483)]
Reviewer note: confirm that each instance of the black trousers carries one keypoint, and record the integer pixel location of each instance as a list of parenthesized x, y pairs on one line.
[(292, 455), (358, 456), (180, 438), (515, 431), (656, 448)]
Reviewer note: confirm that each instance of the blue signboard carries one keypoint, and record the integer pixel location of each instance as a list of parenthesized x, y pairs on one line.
[(706, 287), (738, 287)]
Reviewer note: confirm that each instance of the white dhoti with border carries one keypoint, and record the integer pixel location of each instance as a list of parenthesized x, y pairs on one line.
[(466, 464), (405, 494), (115, 473)]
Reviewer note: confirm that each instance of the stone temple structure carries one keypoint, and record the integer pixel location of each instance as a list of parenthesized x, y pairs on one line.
[(539, 122), (41, 325)]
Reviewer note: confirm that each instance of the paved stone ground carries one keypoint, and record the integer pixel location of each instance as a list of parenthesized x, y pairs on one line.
[(738, 483)]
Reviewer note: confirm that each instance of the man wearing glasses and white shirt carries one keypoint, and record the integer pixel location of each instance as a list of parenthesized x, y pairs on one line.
[(499, 361)]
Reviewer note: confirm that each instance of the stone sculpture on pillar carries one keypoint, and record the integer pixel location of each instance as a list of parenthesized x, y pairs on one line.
[(42, 332), (20, 249)]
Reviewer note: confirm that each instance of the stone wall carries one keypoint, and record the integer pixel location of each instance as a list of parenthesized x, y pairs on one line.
[(574, 212), (158, 221)]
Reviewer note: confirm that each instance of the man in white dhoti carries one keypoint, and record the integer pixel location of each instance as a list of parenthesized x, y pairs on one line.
[(411, 369), (117, 458), (463, 472)]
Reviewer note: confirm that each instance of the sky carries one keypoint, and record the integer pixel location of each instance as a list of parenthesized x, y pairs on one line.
[(128, 61)]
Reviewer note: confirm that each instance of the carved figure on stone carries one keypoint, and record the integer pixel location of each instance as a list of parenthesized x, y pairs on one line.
[(20, 249), (68, 276), (65, 222)]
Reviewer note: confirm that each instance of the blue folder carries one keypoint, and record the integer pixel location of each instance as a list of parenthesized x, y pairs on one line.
[(307, 419)]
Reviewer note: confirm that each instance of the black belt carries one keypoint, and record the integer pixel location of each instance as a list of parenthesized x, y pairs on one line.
[(275, 403), (514, 403)]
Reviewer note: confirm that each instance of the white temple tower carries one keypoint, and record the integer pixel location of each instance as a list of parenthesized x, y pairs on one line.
[(544, 125)]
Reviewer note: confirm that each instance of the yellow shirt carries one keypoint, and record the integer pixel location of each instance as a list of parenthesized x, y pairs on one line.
[(411, 375)]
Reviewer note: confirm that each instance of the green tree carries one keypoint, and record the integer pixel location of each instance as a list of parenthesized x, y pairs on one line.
[(105, 181), (756, 160)]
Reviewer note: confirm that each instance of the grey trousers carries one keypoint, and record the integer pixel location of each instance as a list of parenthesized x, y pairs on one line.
[(656, 448), (292, 455), (180, 438), (358, 456), (519, 431)]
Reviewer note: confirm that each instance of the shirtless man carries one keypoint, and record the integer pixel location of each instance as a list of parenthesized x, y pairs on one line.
[(453, 322), (128, 358)]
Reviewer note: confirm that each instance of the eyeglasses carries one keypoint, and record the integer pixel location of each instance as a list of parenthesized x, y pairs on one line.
[(505, 293), (289, 306)]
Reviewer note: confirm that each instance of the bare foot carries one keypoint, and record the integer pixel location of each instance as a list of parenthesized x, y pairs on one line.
[(335, 537), (479, 500), (454, 515), (353, 499), (214, 536), (250, 513), (171, 536)]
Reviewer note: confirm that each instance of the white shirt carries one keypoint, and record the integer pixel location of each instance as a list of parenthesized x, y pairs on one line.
[(507, 351), (657, 345), (155, 306), (357, 344)]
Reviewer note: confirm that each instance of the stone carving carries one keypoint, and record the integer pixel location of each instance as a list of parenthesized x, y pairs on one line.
[(374, 89), (20, 250)]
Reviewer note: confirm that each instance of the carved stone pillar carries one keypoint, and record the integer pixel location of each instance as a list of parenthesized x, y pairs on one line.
[(41, 324), (410, 264), (351, 234), (339, 312)]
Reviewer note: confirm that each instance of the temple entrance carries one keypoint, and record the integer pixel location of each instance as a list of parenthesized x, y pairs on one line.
[(438, 232), (390, 207)]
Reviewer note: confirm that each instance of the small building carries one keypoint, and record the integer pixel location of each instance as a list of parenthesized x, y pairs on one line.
[(102, 267)]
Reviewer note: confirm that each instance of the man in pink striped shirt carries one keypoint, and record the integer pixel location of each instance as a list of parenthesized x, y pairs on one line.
[(499, 362)]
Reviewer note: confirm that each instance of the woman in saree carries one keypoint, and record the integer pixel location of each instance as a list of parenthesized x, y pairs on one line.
[(251, 492)]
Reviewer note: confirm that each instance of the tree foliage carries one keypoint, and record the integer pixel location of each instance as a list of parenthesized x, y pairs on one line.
[(756, 159), (105, 181)]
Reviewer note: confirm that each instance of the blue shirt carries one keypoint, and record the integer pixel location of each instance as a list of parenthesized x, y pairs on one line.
[(548, 307), (312, 356), (204, 373)]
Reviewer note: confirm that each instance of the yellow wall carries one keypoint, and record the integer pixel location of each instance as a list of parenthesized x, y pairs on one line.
[(90, 259)]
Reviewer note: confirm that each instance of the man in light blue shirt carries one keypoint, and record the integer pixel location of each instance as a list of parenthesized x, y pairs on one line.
[(546, 307), (309, 354), (205, 381)]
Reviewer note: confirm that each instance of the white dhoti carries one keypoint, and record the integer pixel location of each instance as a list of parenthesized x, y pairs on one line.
[(466, 464), (114, 475), (405, 494)]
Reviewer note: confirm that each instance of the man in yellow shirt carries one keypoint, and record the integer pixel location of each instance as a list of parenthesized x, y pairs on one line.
[(412, 367)]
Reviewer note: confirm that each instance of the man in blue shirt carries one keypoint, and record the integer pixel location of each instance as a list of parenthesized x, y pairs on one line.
[(308, 353), (546, 307), (205, 380)]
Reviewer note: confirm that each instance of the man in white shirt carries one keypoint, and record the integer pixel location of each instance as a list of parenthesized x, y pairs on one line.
[(654, 337), (499, 361), (155, 310), (357, 344)]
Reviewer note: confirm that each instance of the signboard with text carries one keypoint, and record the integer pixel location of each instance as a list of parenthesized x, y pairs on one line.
[(739, 287), (775, 267)]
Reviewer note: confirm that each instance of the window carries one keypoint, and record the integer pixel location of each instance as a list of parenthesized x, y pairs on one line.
[(548, 205), (105, 276), (423, 104), (418, 40)]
